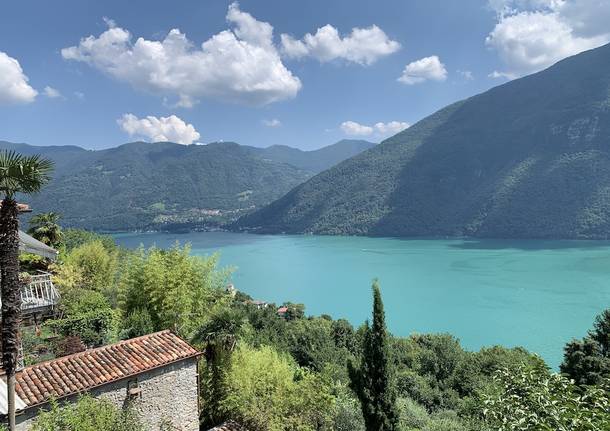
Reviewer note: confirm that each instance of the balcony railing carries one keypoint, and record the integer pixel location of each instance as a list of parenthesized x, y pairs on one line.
[(39, 295)]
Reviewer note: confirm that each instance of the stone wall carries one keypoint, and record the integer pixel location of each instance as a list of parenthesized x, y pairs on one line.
[(168, 394)]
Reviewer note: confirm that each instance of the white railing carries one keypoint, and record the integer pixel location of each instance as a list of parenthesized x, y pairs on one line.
[(40, 293)]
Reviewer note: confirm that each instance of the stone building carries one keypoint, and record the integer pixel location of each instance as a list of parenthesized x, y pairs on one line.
[(155, 374)]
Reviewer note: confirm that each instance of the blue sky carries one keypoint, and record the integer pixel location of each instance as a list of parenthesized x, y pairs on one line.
[(304, 74)]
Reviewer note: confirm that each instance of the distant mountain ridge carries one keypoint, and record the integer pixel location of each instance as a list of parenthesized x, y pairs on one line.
[(144, 186), (527, 159)]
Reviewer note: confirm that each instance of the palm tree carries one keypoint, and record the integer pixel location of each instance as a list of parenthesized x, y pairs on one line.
[(220, 337), (27, 175), (45, 228)]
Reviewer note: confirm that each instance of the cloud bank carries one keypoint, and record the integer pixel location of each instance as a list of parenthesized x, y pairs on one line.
[(238, 65)]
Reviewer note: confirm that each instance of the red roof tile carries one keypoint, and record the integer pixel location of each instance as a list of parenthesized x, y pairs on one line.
[(86, 370)]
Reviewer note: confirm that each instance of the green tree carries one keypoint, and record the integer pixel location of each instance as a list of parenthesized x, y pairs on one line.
[(179, 291), (267, 391), (96, 266), (27, 175), (45, 228), (294, 311), (373, 380), (587, 361), (88, 315), (533, 399)]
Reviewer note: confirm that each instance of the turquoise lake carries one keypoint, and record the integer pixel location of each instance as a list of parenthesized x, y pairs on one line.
[(536, 294)]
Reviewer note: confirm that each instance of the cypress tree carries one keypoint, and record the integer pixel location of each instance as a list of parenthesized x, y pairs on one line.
[(372, 381)]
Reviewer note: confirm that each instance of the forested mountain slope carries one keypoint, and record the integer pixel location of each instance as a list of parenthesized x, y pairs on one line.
[(528, 159), (169, 186)]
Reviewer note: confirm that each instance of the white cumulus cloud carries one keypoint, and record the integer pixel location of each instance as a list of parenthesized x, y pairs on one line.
[(14, 87), (51, 93), (159, 129), (363, 45), (239, 65), (272, 123), (391, 128), (531, 35), (353, 128), (424, 69)]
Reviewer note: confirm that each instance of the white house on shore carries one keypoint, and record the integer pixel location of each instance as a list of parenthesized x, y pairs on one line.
[(155, 374)]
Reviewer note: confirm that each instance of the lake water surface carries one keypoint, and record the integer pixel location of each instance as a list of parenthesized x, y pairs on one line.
[(537, 294)]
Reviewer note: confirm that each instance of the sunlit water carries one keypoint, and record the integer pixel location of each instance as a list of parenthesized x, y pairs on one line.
[(536, 294)]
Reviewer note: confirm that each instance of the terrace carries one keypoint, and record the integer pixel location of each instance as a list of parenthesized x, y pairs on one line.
[(38, 295)]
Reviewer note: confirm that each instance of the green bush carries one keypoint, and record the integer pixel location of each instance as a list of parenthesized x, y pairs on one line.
[(268, 391), (179, 291), (95, 327), (535, 399), (88, 414), (97, 267)]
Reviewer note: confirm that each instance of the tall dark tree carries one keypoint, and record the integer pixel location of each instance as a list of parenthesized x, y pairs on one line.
[(372, 381), (45, 228), (18, 174), (587, 361)]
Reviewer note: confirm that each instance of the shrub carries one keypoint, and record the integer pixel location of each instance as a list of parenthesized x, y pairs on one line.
[(96, 266), (535, 399), (268, 391), (95, 327), (88, 414)]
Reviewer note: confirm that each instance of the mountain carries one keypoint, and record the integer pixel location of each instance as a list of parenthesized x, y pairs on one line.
[(315, 160), (140, 186), (527, 159)]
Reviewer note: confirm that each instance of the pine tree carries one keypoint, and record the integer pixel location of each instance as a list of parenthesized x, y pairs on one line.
[(372, 381)]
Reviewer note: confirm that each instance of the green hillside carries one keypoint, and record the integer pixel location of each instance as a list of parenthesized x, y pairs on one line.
[(529, 159), (315, 160), (169, 186)]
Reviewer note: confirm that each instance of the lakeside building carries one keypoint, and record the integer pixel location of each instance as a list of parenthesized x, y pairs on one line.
[(155, 374)]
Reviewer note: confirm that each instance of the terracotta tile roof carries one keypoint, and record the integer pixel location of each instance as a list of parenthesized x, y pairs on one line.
[(86, 370), (229, 426)]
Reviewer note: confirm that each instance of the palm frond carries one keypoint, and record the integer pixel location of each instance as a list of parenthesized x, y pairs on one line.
[(23, 174)]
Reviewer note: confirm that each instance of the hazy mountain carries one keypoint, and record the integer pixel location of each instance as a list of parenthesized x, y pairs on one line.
[(165, 185), (530, 158), (316, 160)]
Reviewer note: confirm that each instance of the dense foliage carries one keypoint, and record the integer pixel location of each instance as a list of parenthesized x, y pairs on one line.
[(266, 390), (587, 361), (526, 159), (170, 186), (536, 400), (88, 414)]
